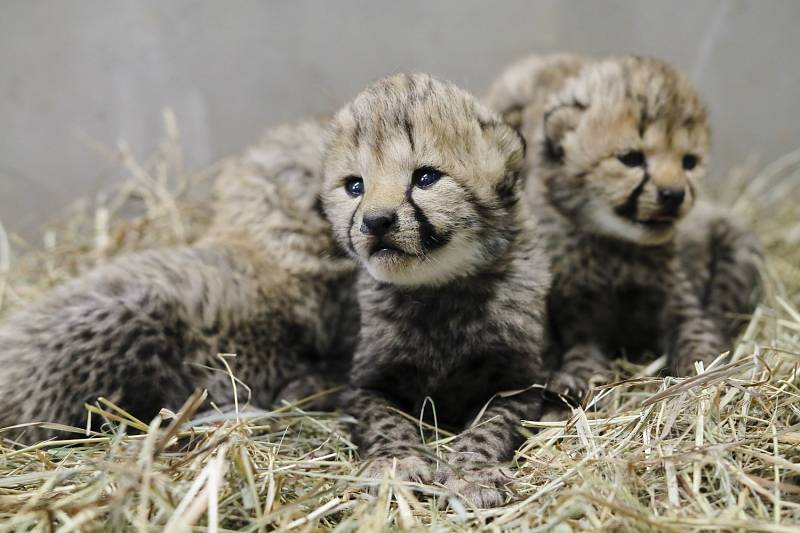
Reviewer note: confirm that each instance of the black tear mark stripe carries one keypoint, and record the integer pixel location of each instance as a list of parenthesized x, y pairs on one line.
[(431, 240), (631, 205), (692, 190), (350, 229)]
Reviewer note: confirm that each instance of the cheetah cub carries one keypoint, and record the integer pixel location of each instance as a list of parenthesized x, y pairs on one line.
[(268, 283), (423, 187), (618, 150)]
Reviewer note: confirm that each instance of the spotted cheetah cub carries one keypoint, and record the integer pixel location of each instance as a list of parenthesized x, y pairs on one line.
[(618, 151), (423, 187), (268, 283)]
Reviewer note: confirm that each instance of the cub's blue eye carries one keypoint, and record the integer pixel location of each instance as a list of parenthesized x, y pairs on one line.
[(354, 186), (633, 158), (689, 161), (425, 177)]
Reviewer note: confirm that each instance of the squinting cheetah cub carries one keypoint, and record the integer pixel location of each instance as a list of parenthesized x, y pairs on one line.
[(618, 149), (423, 187)]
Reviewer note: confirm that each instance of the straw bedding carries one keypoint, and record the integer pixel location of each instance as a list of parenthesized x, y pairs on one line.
[(720, 451)]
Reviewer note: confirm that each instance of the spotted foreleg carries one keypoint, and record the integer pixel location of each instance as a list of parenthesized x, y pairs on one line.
[(476, 456), (734, 286), (695, 336), (387, 439)]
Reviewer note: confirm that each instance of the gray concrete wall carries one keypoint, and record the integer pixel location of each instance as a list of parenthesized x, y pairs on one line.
[(106, 68)]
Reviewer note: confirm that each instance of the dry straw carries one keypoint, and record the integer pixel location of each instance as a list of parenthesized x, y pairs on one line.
[(720, 451)]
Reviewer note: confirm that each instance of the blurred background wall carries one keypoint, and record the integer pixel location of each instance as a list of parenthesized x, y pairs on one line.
[(104, 69)]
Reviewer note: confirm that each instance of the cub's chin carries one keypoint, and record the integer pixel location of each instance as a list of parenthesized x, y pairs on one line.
[(643, 232), (389, 264)]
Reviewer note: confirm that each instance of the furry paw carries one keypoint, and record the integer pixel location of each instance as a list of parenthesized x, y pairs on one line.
[(409, 468), (568, 385), (483, 487)]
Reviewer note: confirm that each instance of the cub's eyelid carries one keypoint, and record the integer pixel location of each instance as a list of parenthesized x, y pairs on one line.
[(428, 168)]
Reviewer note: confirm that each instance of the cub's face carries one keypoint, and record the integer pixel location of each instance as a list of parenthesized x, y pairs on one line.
[(624, 148), (421, 181)]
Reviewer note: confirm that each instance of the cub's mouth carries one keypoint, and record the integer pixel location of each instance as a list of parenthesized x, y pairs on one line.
[(383, 249), (656, 223)]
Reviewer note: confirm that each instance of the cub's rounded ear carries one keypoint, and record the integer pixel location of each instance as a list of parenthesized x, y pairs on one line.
[(509, 141), (557, 123), (512, 146)]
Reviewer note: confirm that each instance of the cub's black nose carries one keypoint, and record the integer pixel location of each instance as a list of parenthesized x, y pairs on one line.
[(379, 224), (671, 199)]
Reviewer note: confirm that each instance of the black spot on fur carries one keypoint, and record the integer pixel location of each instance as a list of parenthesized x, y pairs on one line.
[(479, 438), (213, 330), (483, 451), (497, 433), (146, 351), (127, 342), (106, 346)]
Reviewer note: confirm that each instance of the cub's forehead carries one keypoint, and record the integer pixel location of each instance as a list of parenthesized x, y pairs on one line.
[(645, 90), (414, 105)]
